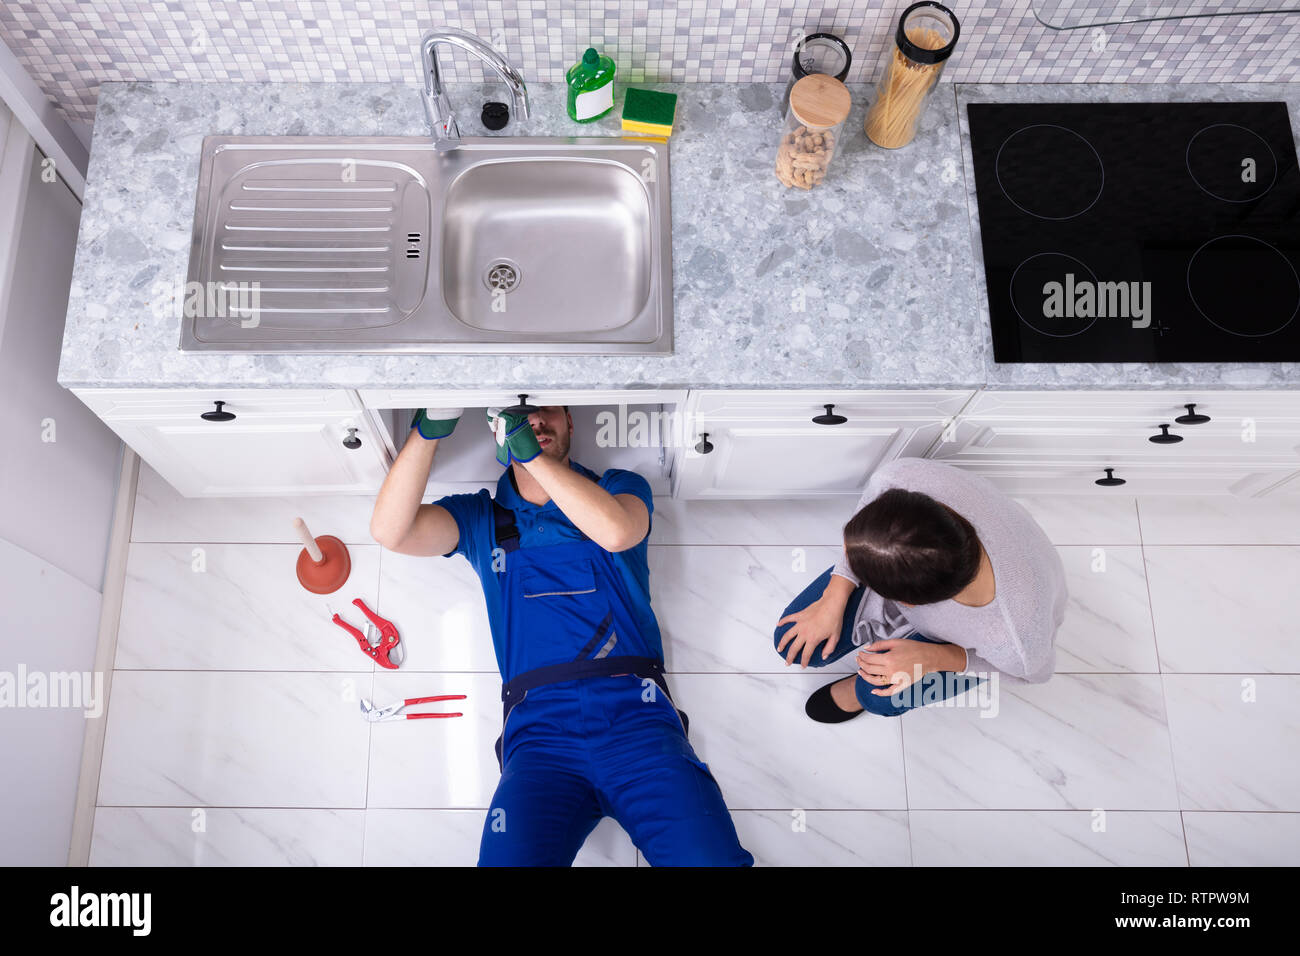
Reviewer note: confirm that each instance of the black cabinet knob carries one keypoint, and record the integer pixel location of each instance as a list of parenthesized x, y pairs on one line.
[(1193, 417), (830, 418), (1164, 438), (352, 441), (1110, 481), (704, 446), (218, 415), (523, 408)]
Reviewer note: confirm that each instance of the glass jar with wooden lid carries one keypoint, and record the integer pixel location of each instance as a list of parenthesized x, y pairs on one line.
[(819, 105)]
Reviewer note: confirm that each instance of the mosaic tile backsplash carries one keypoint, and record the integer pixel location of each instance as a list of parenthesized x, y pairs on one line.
[(69, 47)]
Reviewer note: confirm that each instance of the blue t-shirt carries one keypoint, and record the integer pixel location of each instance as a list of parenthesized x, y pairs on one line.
[(540, 525)]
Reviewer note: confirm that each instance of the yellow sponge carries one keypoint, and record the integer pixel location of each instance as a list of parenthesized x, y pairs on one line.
[(649, 111)]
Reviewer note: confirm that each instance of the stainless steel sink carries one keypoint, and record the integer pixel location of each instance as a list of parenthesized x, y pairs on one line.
[(508, 244)]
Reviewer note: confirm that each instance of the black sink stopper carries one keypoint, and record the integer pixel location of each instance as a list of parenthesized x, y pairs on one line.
[(495, 115)]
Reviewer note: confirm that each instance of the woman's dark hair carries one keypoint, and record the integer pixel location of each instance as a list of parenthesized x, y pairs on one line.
[(908, 547)]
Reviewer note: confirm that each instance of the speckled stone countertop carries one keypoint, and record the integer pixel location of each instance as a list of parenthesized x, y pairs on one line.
[(884, 255)]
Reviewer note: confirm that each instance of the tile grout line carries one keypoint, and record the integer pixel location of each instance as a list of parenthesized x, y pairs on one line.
[(370, 730), (231, 806), (1164, 697), (722, 544), (907, 796), (370, 747), (749, 673)]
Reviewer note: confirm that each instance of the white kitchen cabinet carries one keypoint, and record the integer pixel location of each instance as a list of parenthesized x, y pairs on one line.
[(976, 438), (1288, 486), (761, 443), (1136, 405), (766, 444), (1061, 442), (487, 397), (280, 442), (1027, 477), (126, 403)]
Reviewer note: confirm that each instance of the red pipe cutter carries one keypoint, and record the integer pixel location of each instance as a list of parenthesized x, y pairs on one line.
[(386, 649)]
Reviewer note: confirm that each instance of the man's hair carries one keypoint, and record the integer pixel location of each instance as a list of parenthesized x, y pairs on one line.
[(908, 547)]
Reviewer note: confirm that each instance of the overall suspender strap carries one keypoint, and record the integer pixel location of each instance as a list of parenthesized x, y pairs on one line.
[(507, 531), (503, 520), (514, 692), (576, 670)]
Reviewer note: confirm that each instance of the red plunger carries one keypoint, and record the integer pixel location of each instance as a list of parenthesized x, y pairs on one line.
[(323, 563)]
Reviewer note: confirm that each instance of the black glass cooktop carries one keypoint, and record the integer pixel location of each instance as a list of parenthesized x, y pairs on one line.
[(1139, 232)]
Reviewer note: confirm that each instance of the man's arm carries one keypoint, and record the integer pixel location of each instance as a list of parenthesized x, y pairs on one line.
[(615, 522), (400, 523)]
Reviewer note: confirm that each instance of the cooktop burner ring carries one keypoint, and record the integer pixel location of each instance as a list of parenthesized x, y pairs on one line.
[(1187, 161), (1011, 291), (1101, 171), (1206, 316)]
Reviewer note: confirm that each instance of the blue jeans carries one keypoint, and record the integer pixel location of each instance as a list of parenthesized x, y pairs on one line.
[(936, 685)]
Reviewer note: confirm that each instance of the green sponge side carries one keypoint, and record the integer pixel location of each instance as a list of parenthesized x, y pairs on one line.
[(649, 106)]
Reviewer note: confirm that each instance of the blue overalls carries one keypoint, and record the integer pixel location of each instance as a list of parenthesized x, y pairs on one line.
[(588, 728)]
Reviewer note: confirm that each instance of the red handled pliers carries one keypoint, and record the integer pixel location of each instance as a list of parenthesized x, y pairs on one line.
[(385, 650), (393, 711)]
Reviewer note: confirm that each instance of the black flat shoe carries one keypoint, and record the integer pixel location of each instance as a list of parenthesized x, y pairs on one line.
[(822, 708)]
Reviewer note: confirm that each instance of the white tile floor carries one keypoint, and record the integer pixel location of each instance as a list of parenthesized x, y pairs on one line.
[(1168, 736)]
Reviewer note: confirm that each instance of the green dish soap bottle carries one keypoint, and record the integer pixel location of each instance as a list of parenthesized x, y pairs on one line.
[(591, 87)]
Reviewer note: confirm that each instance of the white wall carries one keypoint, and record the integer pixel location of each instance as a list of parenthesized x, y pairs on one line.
[(56, 502)]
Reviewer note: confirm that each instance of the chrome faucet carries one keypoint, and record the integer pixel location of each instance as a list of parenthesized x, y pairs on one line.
[(437, 106)]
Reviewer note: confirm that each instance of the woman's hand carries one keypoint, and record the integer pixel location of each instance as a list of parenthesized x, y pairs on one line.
[(820, 622), (904, 664)]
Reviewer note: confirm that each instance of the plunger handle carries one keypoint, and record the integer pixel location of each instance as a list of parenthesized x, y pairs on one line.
[(308, 541)]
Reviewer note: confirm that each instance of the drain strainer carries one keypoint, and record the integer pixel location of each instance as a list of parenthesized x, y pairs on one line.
[(501, 275)]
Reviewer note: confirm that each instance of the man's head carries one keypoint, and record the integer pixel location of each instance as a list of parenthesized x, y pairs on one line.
[(910, 548), (553, 427)]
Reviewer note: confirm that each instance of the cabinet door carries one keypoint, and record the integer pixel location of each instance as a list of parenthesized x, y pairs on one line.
[(1290, 485), (258, 455), (780, 460), (158, 403), (777, 405), (1024, 477), (1234, 407), (977, 439)]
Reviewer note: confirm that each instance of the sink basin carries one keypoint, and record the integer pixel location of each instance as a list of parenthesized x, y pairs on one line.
[(497, 244), (558, 245)]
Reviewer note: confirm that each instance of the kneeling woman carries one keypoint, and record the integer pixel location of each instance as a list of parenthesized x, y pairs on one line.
[(943, 580)]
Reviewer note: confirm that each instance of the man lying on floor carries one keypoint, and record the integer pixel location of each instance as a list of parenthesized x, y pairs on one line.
[(943, 581), (589, 729)]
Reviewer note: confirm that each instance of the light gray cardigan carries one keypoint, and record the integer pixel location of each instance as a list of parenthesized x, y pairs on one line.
[(1015, 633)]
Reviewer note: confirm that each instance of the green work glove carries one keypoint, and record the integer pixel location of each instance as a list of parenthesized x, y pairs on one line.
[(436, 422), (515, 438)]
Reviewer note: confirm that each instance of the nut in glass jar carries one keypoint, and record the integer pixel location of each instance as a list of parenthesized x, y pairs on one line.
[(804, 157), (819, 104)]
